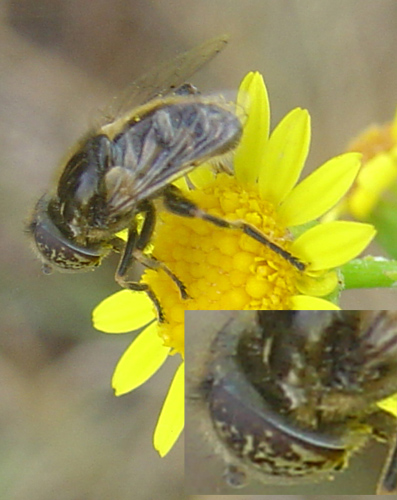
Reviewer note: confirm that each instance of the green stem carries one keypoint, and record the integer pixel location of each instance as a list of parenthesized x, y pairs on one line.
[(370, 272)]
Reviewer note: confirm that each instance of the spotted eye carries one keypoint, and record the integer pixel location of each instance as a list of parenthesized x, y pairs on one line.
[(56, 249), (252, 429)]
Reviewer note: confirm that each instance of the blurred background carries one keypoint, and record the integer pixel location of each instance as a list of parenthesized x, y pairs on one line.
[(63, 432), (284, 497)]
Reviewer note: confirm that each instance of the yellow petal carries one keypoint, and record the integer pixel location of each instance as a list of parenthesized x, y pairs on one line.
[(389, 405), (248, 157), (377, 175), (202, 175), (182, 184), (140, 361), (318, 286), (123, 312), (320, 191), (306, 303), (123, 234), (332, 244), (172, 417), (285, 156)]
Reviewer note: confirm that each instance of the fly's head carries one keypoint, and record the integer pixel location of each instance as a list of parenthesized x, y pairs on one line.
[(292, 395), (56, 245)]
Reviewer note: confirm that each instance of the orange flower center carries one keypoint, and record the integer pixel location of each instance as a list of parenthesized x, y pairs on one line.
[(222, 269)]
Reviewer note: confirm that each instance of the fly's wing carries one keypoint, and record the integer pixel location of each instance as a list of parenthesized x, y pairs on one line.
[(166, 144), (165, 78)]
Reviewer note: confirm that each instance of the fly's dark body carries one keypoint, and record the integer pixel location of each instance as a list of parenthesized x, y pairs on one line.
[(119, 171), (111, 179)]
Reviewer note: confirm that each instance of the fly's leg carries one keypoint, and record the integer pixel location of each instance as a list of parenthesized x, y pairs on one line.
[(125, 264), (153, 263), (144, 238), (133, 250), (176, 203), (388, 482)]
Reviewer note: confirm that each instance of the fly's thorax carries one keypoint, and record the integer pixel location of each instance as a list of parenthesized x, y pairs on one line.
[(326, 365), (81, 191), (130, 159), (95, 196), (360, 364)]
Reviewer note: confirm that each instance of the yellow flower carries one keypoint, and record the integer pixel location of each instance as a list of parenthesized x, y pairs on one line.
[(378, 175), (226, 269)]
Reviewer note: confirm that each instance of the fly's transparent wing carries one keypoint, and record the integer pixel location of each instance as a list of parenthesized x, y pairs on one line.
[(165, 78), (166, 144)]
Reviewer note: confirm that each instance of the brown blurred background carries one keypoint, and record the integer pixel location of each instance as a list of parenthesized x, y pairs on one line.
[(285, 497), (63, 433)]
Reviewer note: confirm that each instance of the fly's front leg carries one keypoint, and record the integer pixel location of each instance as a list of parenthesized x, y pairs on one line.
[(388, 482), (133, 250), (176, 203), (124, 266), (144, 239)]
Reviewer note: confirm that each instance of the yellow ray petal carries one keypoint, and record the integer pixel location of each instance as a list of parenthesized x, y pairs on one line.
[(202, 175), (318, 286), (320, 191), (332, 244), (182, 184), (377, 175), (140, 361), (172, 417), (123, 312), (306, 303), (285, 156), (389, 405), (253, 99)]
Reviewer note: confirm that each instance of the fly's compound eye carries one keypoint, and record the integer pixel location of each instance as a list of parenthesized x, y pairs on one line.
[(261, 438), (56, 249)]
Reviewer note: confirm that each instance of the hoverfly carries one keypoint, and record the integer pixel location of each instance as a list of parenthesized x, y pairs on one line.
[(118, 170), (291, 395)]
